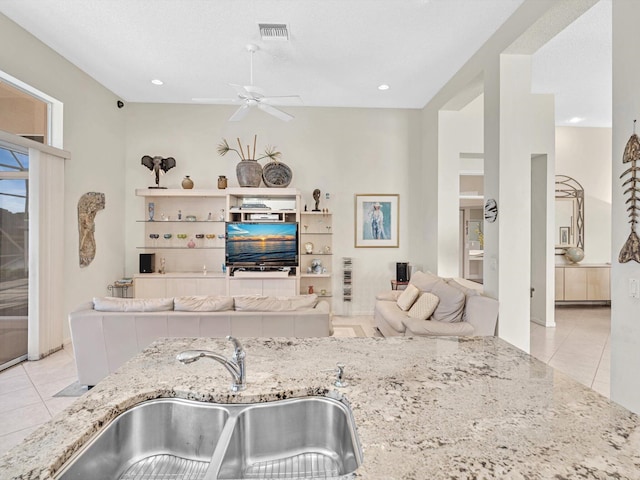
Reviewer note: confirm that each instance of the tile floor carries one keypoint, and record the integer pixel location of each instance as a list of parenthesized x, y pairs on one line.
[(578, 346)]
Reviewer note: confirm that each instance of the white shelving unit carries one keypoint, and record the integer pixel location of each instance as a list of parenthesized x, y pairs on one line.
[(188, 232), (316, 232)]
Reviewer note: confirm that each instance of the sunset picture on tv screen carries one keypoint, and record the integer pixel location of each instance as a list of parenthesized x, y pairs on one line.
[(262, 243)]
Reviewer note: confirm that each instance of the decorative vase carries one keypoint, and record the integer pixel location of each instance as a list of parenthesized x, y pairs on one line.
[(222, 182), (310, 289), (276, 174), (187, 183), (191, 244), (249, 173), (574, 254)]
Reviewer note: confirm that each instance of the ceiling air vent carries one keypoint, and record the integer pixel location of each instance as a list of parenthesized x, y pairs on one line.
[(274, 31)]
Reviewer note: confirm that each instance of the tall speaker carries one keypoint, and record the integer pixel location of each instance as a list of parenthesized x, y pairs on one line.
[(402, 272), (147, 262)]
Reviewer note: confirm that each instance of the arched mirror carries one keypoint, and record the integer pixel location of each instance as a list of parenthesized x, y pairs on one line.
[(569, 214)]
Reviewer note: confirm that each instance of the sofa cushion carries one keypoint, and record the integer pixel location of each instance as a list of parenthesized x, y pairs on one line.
[(114, 304), (482, 313), (393, 316), (451, 305), (468, 292), (407, 297), (390, 295), (415, 327), (424, 307), (424, 281), (203, 303), (258, 303)]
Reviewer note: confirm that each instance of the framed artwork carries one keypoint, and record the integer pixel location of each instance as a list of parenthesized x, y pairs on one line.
[(377, 220), (564, 235)]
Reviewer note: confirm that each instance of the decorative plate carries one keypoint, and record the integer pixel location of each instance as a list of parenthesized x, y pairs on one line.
[(276, 174), (490, 210)]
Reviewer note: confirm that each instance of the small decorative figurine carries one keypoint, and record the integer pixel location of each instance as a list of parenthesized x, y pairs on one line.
[(158, 164), (316, 197)]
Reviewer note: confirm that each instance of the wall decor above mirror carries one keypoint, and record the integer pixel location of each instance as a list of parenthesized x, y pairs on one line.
[(569, 214)]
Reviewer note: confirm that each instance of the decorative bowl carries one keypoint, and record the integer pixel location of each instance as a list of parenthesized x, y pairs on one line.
[(276, 174)]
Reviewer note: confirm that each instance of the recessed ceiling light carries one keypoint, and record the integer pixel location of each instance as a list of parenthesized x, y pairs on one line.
[(384, 86), (576, 120), (156, 81)]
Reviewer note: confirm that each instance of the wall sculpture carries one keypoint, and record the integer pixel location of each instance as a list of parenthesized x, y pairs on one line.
[(88, 205)]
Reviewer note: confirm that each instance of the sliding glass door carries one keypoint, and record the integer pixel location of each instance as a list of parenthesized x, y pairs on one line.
[(14, 254)]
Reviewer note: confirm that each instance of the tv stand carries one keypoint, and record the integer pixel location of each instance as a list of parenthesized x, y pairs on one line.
[(262, 272)]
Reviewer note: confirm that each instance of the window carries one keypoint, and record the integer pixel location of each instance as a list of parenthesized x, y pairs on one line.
[(14, 254), (23, 114)]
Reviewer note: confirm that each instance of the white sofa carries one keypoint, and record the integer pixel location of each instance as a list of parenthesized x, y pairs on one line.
[(460, 310), (109, 331)]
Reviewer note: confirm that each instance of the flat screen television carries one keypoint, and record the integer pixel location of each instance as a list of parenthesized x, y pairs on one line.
[(254, 244)]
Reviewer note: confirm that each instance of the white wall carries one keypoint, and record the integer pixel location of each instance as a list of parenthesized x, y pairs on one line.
[(341, 151), (459, 132), (625, 311), (507, 153), (94, 134), (585, 155)]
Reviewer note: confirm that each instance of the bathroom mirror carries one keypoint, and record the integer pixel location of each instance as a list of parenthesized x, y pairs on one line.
[(569, 228)]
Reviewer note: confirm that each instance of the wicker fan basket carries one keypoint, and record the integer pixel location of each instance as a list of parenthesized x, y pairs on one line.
[(276, 174)]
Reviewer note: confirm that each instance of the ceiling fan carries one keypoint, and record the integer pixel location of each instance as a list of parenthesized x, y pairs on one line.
[(251, 96)]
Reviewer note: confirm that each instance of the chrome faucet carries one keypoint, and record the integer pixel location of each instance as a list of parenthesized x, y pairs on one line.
[(235, 364)]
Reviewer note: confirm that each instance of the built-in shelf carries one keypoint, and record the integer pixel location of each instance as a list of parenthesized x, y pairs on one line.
[(315, 275), (180, 248), (180, 192), (180, 221)]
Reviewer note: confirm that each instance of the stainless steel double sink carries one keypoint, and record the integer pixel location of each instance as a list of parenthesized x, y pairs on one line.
[(303, 438)]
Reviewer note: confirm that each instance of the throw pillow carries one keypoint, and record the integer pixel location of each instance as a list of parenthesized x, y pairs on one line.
[(424, 307), (425, 281), (206, 303), (464, 289), (451, 304), (114, 304), (407, 297), (468, 292)]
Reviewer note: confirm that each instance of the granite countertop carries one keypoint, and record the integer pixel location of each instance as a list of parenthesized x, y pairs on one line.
[(425, 408)]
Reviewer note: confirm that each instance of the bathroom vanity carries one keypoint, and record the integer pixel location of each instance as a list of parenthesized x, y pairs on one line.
[(435, 408)]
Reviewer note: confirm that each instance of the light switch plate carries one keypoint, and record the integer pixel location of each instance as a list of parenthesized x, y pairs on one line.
[(634, 288)]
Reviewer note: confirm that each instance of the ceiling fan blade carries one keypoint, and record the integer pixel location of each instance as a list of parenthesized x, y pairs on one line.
[(240, 113), (275, 112), (241, 90), (282, 100), (223, 101)]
